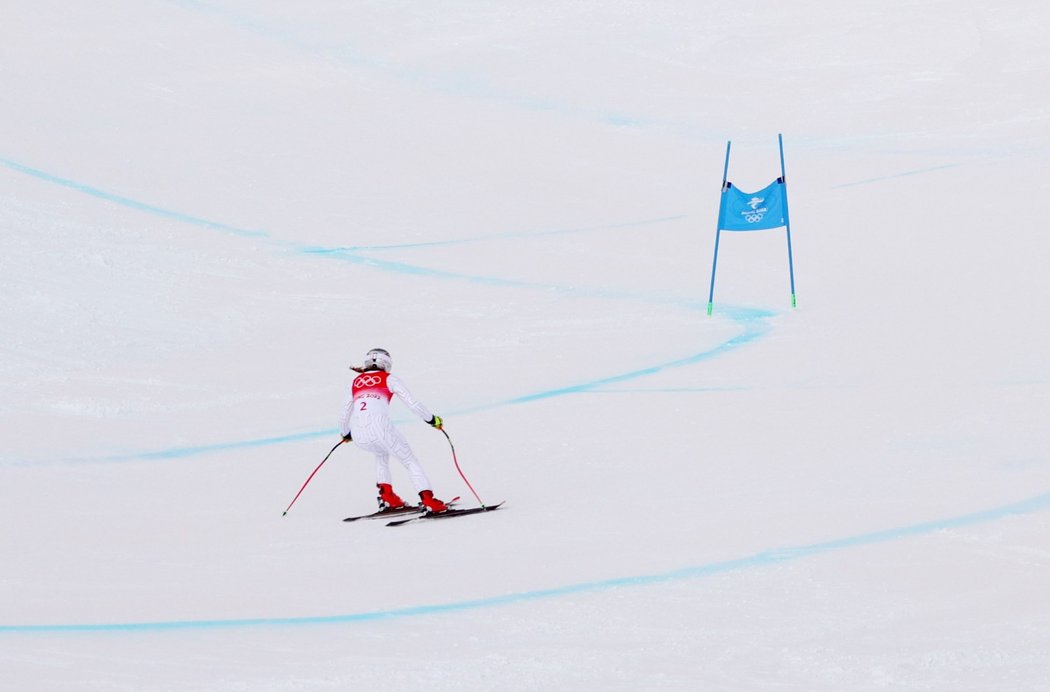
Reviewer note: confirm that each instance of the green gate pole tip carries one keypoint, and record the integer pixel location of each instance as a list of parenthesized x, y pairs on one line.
[(794, 304), (710, 307)]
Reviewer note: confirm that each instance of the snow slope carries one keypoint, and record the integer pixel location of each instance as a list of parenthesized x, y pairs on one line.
[(211, 208)]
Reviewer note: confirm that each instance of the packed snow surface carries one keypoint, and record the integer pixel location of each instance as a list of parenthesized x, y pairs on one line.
[(209, 209)]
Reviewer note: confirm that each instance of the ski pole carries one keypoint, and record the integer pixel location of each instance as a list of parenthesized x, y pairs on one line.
[(456, 462), (311, 477)]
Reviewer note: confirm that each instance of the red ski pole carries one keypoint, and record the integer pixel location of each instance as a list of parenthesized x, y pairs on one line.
[(456, 462), (311, 477)]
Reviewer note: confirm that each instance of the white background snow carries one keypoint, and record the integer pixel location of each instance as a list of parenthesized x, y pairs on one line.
[(209, 209)]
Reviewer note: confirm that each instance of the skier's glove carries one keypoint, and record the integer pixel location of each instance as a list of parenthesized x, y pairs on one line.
[(348, 438), (436, 422)]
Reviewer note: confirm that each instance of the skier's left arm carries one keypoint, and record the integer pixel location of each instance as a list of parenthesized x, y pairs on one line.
[(398, 387)]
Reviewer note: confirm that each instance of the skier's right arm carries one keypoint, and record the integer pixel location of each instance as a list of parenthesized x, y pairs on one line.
[(344, 420)]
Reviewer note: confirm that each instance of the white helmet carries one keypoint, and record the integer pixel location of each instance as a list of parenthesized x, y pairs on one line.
[(378, 358)]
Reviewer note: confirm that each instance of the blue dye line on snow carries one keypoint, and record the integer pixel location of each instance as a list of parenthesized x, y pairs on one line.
[(195, 450), (753, 320), (346, 253), (459, 84), (756, 561), (349, 255), (353, 255), (131, 203), (755, 323)]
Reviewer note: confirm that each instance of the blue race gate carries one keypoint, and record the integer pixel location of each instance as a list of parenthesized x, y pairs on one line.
[(753, 211)]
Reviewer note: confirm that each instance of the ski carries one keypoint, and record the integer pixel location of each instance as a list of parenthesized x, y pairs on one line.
[(404, 509), (447, 514)]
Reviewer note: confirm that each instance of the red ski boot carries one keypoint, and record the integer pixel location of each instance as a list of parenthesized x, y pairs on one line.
[(388, 499), (431, 503)]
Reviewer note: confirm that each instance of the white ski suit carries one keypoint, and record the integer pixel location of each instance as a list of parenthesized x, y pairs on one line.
[(366, 416)]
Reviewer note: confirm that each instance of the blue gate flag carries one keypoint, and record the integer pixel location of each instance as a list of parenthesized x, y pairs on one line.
[(753, 211)]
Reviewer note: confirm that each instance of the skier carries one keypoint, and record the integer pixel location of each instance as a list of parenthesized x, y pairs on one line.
[(367, 415)]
